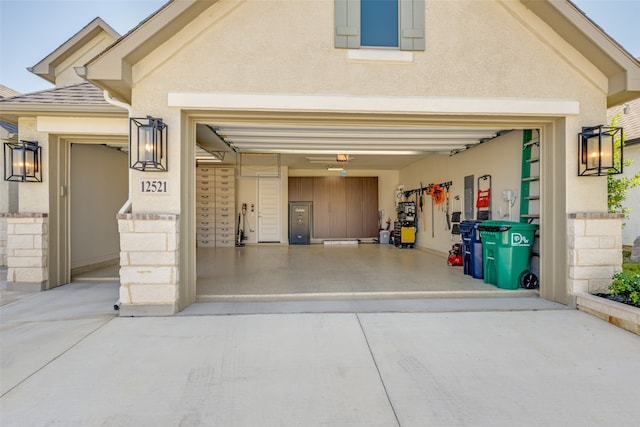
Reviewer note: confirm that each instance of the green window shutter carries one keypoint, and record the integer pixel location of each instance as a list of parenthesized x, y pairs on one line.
[(347, 22), (412, 25)]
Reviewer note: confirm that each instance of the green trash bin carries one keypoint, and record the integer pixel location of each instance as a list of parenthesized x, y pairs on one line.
[(506, 250)]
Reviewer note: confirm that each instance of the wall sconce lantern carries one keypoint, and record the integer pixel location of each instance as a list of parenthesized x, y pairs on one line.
[(22, 161), (600, 151), (147, 144)]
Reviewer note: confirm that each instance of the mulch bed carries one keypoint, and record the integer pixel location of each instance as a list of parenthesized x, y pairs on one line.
[(617, 299)]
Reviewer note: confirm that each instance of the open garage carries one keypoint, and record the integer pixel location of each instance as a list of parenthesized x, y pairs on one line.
[(349, 174), (230, 111)]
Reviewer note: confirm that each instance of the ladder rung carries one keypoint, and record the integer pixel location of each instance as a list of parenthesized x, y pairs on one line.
[(532, 197), (531, 178), (533, 160), (532, 142), (535, 254)]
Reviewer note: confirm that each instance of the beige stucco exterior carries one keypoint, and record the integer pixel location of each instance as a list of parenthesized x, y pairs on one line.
[(486, 64), (493, 57)]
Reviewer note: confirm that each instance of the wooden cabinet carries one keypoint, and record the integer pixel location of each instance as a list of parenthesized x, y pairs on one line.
[(370, 226), (225, 207), (321, 209), (215, 206), (301, 189), (354, 208), (343, 207)]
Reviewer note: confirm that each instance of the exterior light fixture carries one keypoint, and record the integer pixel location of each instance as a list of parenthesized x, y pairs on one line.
[(147, 144), (342, 158), (22, 161), (600, 151)]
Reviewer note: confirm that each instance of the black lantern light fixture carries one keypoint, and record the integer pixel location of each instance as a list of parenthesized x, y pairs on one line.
[(22, 161), (147, 144), (600, 151)]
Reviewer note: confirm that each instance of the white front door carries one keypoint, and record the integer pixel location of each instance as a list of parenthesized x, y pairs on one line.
[(269, 210)]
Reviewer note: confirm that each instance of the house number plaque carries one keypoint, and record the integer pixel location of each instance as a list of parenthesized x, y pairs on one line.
[(154, 185)]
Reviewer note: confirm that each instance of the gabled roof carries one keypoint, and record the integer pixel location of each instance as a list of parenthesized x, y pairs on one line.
[(630, 122), (573, 25), (112, 69), (78, 94), (79, 99), (6, 92), (46, 67), (9, 127)]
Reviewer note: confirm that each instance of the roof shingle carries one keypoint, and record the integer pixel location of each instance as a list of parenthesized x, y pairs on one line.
[(630, 123), (78, 94), (6, 92)]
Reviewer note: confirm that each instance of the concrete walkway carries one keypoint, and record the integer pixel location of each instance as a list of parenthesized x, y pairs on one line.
[(68, 360)]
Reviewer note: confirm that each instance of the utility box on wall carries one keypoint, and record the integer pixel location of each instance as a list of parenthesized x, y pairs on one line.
[(300, 217)]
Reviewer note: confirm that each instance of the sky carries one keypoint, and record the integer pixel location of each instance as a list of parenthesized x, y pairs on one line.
[(32, 29)]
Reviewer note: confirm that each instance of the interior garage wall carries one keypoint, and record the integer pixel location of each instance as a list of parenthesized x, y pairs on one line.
[(501, 158), (98, 189), (387, 183), (247, 193)]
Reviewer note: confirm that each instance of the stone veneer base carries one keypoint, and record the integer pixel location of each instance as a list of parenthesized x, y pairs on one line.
[(27, 286), (618, 314), (147, 310)]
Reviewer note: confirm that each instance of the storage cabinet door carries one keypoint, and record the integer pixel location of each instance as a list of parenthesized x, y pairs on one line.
[(294, 189), (300, 189), (354, 193), (337, 206), (369, 207), (342, 207), (321, 211)]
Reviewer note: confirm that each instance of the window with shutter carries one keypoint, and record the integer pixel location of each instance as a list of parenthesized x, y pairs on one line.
[(379, 23)]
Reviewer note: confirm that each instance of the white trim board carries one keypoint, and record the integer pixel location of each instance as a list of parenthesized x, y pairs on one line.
[(373, 104)]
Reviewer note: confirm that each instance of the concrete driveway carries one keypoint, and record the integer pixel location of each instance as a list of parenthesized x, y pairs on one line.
[(67, 360)]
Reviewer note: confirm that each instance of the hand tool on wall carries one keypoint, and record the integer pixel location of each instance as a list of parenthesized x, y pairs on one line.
[(446, 190), (424, 221), (433, 234)]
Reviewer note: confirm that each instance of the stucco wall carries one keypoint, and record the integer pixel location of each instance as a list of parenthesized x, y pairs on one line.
[(474, 49), (98, 190), (34, 196)]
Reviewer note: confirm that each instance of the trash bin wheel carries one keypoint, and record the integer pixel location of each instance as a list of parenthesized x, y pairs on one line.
[(528, 280)]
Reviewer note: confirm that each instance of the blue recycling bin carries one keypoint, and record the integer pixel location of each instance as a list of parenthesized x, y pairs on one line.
[(472, 259)]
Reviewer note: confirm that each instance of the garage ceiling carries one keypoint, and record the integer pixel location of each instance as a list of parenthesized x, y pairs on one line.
[(316, 146)]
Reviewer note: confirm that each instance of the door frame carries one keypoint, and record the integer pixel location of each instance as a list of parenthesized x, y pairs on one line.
[(261, 177), (59, 265)]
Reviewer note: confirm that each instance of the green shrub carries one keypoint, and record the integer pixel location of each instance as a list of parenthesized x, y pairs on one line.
[(627, 286), (628, 265)]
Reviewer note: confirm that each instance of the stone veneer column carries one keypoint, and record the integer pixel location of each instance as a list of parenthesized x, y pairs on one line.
[(595, 250), (149, 269), (3, 240), (27, 251)]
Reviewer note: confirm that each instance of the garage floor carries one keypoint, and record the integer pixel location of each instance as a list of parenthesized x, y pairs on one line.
[(283, 272)]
